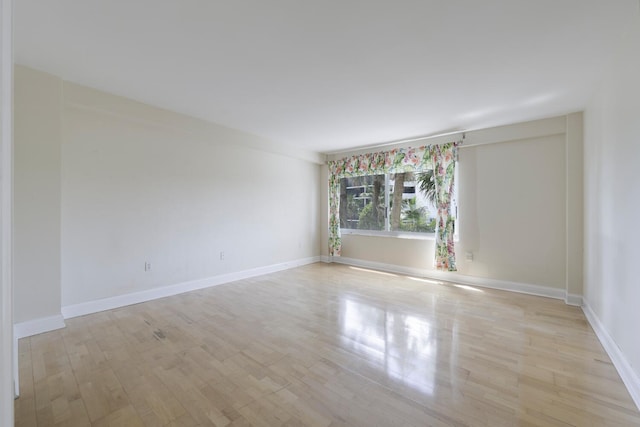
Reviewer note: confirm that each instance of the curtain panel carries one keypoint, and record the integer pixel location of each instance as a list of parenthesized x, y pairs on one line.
[(440, 158), (444, 163)]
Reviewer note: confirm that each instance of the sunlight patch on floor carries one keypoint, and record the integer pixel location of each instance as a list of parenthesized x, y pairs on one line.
[(373, 271), (469, 288)]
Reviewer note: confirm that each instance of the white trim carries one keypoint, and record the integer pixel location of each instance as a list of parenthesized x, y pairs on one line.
[(8, 362), (89, 99), (516, 132), (395, 234), (441, 138), (523, 288), (630, 378), (38, 326), (118, 301), (325, 258), (390, 268), (513, 132), (573, 299), (16, 381)]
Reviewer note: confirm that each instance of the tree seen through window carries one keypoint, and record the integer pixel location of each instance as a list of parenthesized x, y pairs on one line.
[(388, 202)]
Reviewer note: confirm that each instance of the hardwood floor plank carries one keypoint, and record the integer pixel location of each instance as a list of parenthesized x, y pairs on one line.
[(325, 345)]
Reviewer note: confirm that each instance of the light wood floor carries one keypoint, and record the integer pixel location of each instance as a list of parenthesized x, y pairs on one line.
[(325, 345)]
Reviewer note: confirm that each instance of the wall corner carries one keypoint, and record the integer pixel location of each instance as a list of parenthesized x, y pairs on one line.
[(574, 208)]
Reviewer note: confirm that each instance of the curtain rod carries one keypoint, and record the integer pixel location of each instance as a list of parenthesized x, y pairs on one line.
[(402, 141)]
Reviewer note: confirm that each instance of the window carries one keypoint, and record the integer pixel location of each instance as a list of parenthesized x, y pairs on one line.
[(385, 201), (393, 203)]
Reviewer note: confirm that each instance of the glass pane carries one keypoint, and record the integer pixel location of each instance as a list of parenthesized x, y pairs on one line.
[(362, 202), (411, 208)]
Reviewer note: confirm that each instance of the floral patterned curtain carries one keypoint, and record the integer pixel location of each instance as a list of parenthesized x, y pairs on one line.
[(439, 157), (335, 241), (444, 160), (393, 161)]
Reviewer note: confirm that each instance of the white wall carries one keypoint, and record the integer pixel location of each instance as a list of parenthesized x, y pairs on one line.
[(323, 213), (612, 203), (411, 253), (144, 187), (106, 184), (574, 157), (513, 210), (37, 108), (8, 361)]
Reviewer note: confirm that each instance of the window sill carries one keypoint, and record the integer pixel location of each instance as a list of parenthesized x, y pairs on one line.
[(394, 234)]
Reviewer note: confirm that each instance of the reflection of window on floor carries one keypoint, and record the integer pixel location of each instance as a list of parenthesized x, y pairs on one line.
[(404, 346), (389, 202)]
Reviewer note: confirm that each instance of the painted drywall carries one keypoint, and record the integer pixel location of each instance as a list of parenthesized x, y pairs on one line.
[(412, 253), (512, 212), (37, 110), (105, 185), (141, 185), (612, 201), (574, 169), (323, 213), (8, 359)]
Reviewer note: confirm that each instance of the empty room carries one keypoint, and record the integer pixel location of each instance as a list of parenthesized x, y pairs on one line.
[(320, 213)]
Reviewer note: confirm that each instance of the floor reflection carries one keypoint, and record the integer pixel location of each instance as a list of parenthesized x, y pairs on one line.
[(403, 345)]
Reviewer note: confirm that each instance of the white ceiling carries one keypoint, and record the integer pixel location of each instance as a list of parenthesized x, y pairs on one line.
[(327, 75)]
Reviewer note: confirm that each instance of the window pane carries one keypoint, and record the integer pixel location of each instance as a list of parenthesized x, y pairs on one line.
[(411, 209), (362, 202)]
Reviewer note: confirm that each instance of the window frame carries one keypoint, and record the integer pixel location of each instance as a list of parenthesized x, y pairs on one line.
[(399, 234)]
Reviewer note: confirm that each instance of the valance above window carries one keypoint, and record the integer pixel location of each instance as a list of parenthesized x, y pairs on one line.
[(393, 161)]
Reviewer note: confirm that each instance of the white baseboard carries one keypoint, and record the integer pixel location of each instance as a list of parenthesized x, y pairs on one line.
[(96, 306), (573, 299), (523, 288), (16, 371), (38, 326), (325, 258), (390, 268), (630, 378)]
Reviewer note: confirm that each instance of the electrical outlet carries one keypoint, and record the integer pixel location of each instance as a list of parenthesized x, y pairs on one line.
[(221, 255), (147, 266), (468, 256)]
